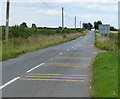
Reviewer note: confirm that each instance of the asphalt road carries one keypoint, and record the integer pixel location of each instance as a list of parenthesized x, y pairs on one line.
[(58, 71)]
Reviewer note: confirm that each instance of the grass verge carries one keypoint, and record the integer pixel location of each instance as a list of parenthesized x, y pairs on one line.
[(17, 46), (105, 67), (105, 75)]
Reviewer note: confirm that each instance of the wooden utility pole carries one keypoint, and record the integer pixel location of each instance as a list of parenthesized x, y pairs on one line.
[(80, 24), (75, 22), (62, 18), (7, 20)]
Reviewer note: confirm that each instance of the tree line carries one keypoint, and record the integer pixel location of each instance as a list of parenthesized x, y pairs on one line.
[(89, 26), (24, 31), (24, 24)]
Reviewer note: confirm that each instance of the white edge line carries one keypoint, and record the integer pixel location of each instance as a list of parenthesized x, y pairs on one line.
[(11, 81), (35, 67)]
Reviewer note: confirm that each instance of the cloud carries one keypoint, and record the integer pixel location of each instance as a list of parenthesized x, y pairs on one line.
[(49, 11), (91, 6), (30, 1), (102, 7)]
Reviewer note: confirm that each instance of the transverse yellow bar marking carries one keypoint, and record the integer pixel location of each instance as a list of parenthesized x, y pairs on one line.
[(67, 64), (53, 80), (72, 58), (86, 46), (58, 74), (56, 77)]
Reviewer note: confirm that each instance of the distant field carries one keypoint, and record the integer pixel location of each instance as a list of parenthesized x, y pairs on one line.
[(114, 32)]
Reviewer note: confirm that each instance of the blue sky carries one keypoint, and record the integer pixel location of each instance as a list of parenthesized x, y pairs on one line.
[(48, 14)]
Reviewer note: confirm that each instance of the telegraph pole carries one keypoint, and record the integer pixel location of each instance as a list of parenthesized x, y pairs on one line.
[(80, 24), (62, 18), (75, 22), (7, 20)]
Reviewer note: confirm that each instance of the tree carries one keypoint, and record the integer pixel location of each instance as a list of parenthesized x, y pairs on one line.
[(34, 26), (96, 24), (89, 26), (112, 28), (23, 24), (85, 25), (60, 27)]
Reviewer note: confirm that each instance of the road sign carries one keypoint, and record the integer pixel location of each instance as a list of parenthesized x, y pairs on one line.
[(104, 29)]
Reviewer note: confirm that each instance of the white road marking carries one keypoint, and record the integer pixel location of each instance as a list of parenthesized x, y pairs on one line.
[(51, 58), (90, 87), (35, 67), (72, 47), (67, 49), (6, 84), (60, 53)]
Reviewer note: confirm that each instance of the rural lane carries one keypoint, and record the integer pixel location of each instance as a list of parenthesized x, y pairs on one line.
[(58, 71)]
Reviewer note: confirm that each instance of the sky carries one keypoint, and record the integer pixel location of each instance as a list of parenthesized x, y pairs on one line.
[(47, 13)]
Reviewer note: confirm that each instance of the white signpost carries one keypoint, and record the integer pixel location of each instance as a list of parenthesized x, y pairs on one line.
[(104, 29)]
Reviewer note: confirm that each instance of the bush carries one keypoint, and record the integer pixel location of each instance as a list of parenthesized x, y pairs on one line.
[(25, 32)]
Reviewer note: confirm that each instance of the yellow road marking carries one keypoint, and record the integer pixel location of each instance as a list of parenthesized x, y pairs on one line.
[(45, 74), (64, 57), (86, 46), (56, 77), (58, 74), (53, 80), (66, 64)]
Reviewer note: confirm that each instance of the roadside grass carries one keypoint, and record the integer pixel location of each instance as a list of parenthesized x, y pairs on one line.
[(105, 67), (105, 75), (0, 50), (109, 42), (17, 46)]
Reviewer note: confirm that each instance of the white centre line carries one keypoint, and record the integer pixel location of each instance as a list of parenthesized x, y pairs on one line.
[(6, 84), (67, 49), (60, 53), (35, 67)]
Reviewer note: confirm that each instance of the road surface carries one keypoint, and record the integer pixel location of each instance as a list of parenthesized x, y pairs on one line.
[(58, 71)]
